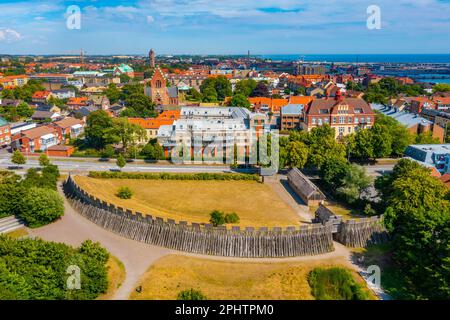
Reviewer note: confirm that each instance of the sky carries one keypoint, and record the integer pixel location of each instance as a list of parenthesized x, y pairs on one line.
[(225, 27)]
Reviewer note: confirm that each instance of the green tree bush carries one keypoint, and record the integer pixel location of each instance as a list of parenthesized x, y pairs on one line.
[(41, 206), (335, 284), (191, 294), (124, 193), (18, 158)]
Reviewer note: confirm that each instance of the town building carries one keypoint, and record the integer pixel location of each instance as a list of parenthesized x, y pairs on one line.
[(152, 125), (214, 132), (5, 133), (157, 90), (63, 93), (69, 128), (291, 116), (36, 139), (431, 155), (41, 96), (345, 115), (123, 69), (10, 82)]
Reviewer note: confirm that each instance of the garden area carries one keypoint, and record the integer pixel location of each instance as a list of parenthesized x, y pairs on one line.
[(254, 203), (173, 276)]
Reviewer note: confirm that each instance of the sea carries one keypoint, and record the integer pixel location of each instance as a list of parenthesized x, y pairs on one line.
[(366, 58), (375, 58)]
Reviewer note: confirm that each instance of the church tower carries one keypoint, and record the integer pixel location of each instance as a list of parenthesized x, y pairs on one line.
[(151, 56)]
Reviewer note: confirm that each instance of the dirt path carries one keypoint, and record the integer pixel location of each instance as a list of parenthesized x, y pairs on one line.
[(73, 229), (281, 187)]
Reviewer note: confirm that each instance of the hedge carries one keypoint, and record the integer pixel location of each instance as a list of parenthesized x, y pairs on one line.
[(173, 176)]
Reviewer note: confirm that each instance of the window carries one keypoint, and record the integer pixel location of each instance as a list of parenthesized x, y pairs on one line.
[(368, 119), (334, 120), (341, 119), (349, 129), (320, 121), (349, 119), (313, 120), (341, 129), (356, 120)]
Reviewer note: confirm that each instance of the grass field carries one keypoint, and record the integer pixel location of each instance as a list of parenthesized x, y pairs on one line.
[(255, 203), (231, 280), (116, 275)]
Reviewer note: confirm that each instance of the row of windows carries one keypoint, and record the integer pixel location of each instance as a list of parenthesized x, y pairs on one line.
[(341, 120)]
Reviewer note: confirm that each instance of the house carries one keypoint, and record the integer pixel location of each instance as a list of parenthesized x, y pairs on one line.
[(9, 103), (36, 139), (5, 133), (77, 103), (264, 104), (41, 96), (42, 116), (417, 104), (442, 103), (156, 89), (10, 82), (152, 125), (291, 116), (123, 69), (47, 107), (431, 155), (69, 128), (345, 115), (415, 123), (99, 101), (60, 151), (304, 188), (64, 93)]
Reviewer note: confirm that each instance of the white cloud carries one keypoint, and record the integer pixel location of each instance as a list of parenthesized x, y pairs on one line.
[(150, 19), (9, 35)]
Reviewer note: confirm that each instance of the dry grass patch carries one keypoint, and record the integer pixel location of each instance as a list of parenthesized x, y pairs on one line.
[(223, 280), (116, 276), (18, 233), (255, 203)]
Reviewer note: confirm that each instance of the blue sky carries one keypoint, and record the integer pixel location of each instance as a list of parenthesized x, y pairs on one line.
[(225, 27)]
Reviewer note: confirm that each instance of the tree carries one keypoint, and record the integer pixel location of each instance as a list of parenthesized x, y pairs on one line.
[(245, 87), (18, 158), (112, 93), (138, 105), (363, 144), (221, 85), (322, 145), (354, 184), (333, 171), (381, 141), (239, 100), (153, 151), (41, 207), (297, 154), (418, 216), (441, 87), (44, 160), (261, 90), (98, 128), (121, 162), (124, 78), (24, 110), (426, 138), (217, 218), (127, 133)]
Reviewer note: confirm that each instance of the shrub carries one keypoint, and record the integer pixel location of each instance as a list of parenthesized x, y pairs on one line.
[(32, 269), (41, 206), (18, 158), (173, 176), (44, 160), (191, 294), (335, 284), (217, 218), (231, 218), (124, 193)]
